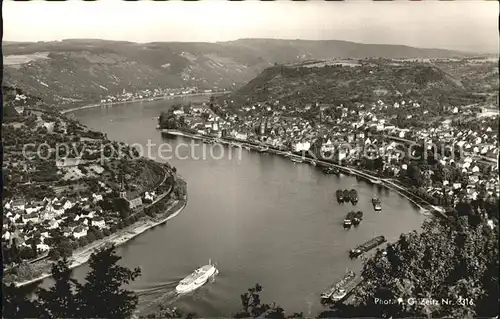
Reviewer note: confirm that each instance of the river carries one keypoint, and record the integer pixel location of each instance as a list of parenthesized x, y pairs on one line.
[(262, 218)]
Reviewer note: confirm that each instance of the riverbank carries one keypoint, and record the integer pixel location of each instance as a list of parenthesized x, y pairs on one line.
[(425, 207), (81, 257), (149, 99)]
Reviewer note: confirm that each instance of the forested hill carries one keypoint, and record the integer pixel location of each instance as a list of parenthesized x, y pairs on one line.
[(365, 81), (85, 69)]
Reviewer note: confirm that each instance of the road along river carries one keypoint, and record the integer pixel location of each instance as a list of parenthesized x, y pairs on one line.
[(262, 218)]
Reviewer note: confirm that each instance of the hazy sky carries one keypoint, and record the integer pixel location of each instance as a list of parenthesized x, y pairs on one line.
[(468, 25)]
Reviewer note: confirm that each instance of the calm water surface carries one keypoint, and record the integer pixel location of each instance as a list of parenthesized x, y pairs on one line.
[(263, 219)]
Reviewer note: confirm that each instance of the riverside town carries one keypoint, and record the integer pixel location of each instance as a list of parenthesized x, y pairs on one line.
[(228, 171)]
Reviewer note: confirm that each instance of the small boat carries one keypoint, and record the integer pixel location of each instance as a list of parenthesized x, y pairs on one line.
[(197, 279), (358, 217), (340, 196), (297, 159), (348, 220), (331, 170), (263, 149), (313, 162), (376, 204), (353, 194), (369, 245), (347, 195), (335, 291), (208, 141)]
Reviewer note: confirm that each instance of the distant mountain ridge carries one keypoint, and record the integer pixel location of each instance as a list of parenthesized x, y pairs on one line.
[(88, 69)]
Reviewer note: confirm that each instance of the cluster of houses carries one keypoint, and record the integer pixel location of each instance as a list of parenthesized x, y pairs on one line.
[(22, 220), (275, 125), (150, 94)]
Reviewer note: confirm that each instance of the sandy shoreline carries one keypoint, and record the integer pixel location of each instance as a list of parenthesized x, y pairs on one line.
[(125, 235)]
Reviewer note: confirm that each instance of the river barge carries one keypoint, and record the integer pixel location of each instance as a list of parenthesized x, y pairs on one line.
[(340, 196), (358, 217), (353, 194), (376, 204), (369, 245), (348, 220), (339, 290)]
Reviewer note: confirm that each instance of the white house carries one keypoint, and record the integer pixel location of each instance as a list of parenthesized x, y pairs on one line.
[(301, 146), (79, 232), (491, 224), (49, 126), (19, 109), (99, 223), (47, 215), (18, 205), (67, 231), (148, 196), (97, 197), (42, 247), (67, 205), (327, 147), (474, 179), (33, 209)]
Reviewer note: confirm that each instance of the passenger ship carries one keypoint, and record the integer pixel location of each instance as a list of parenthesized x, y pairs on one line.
[(197, 279)]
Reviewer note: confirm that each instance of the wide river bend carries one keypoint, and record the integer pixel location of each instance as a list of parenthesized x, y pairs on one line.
[(262, 218)]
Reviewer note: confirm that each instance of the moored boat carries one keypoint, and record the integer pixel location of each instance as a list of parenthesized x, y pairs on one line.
[(358, 217), (369, 245), (196, 279), (347, 195), (331, 170), (208, 141), (337, 290), (339, 295), (348, 220), (340, 196), (376, 203), (297, 159), (354, 196)]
